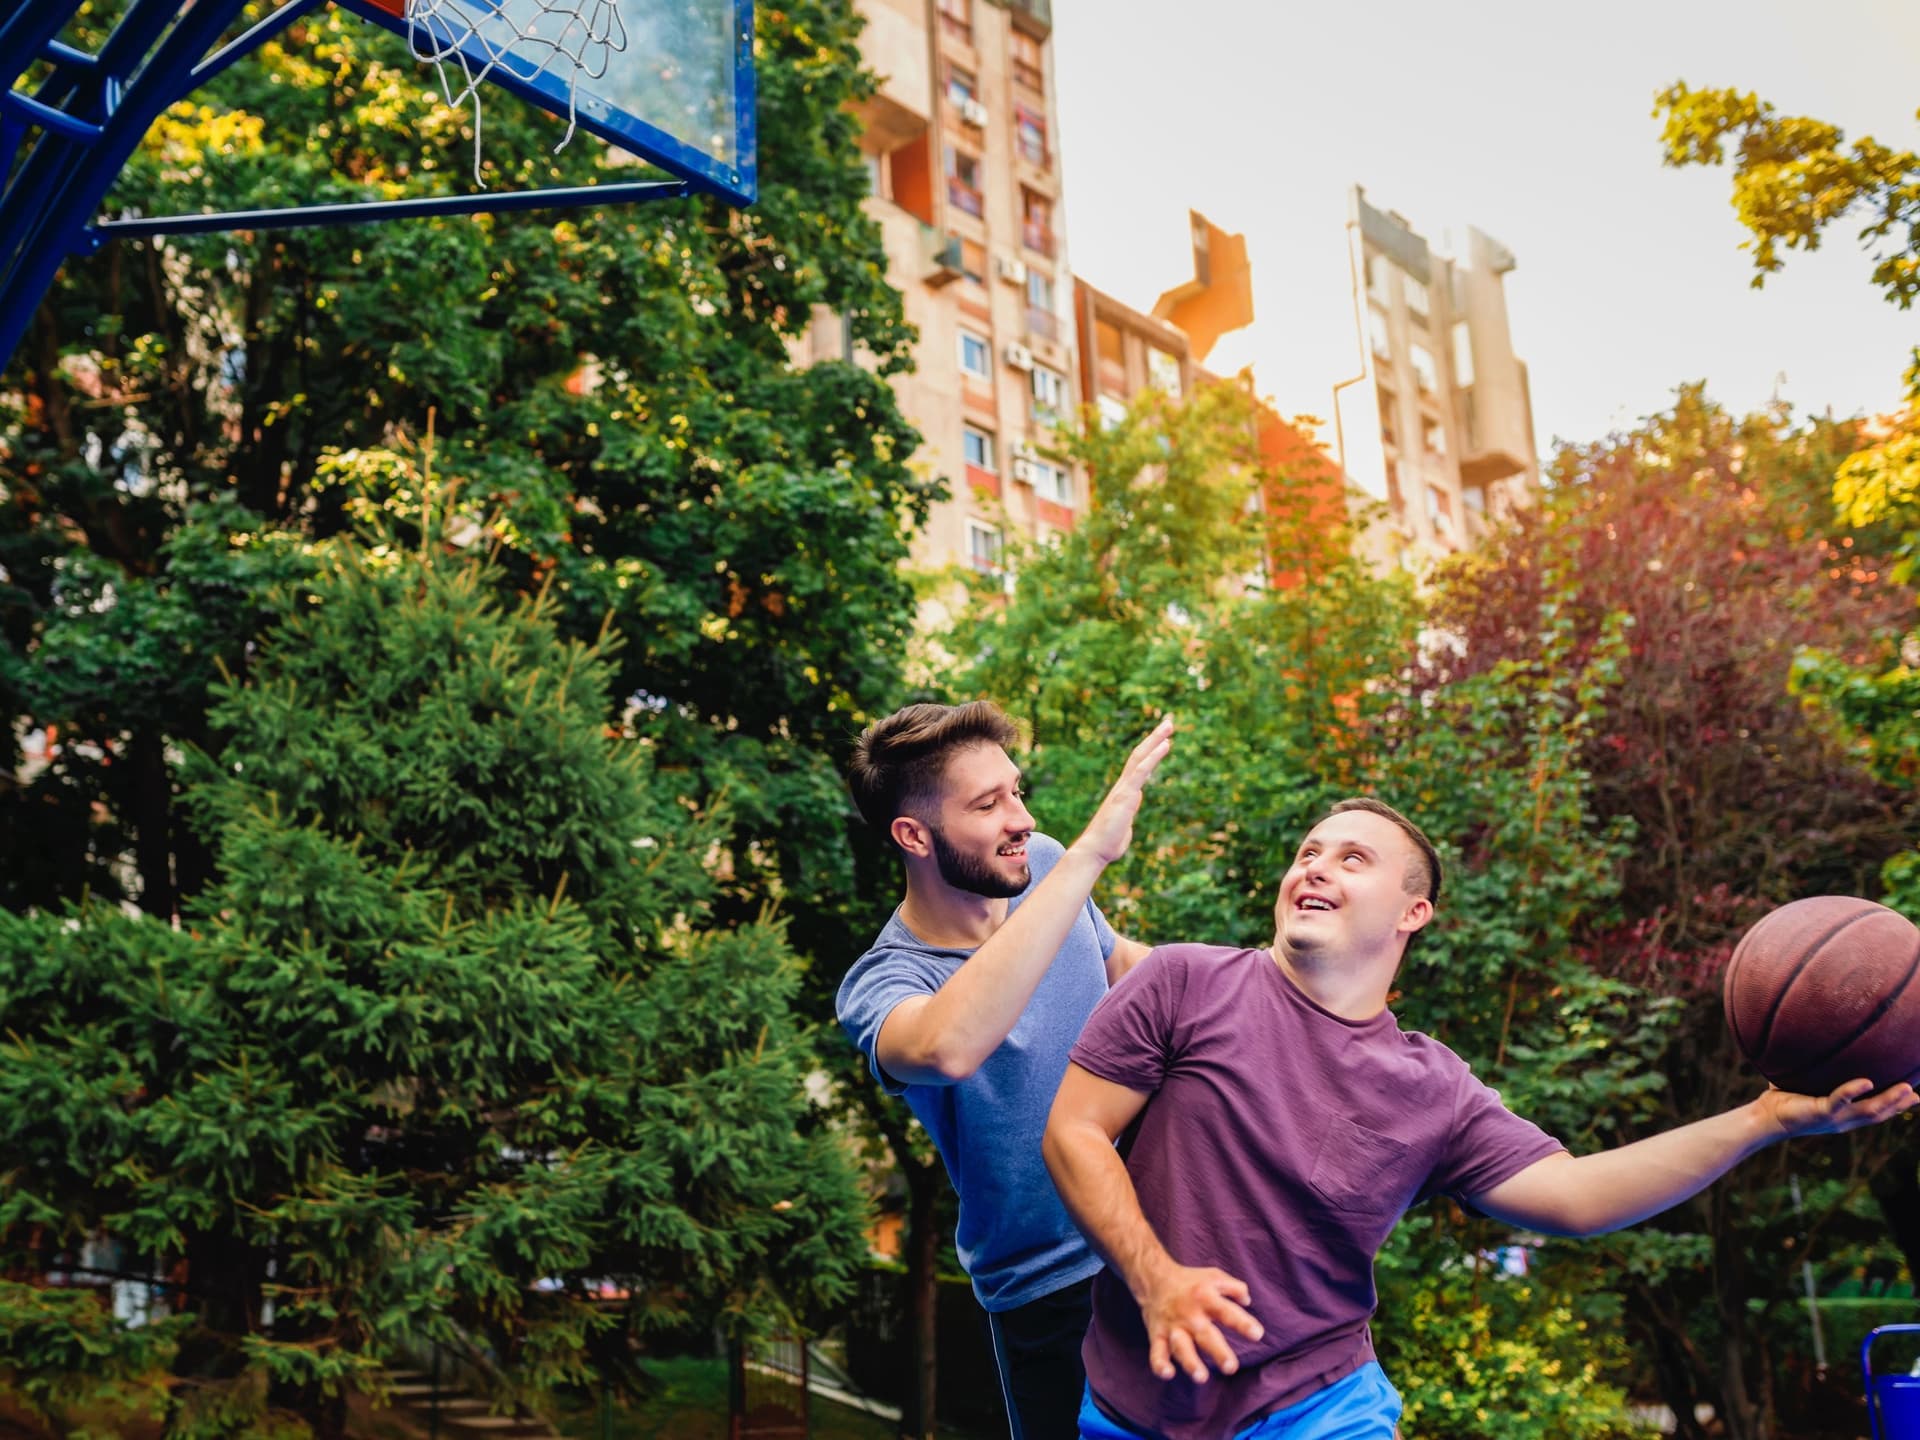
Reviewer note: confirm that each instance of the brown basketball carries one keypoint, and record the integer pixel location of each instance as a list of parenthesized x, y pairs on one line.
[(1826, 990)]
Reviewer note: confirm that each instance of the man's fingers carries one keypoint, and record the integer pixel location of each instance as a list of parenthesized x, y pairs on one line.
[(1209, 1339), (1872, 1109), (1158, 1360), (1225, 1312), (1180, 1343), (1159, 739)]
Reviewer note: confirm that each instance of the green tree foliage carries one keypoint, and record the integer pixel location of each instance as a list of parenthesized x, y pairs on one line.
[(1793, 177), (613, 385), (450, 1045), (1291, 672), (1702, 542)]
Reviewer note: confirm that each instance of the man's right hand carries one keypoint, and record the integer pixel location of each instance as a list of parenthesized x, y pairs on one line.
[(1185, 1309), (1111, 830)]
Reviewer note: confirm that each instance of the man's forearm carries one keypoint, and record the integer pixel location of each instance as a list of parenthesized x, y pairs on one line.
[(968, 1017), (1593, 1194), (1099, 1195)]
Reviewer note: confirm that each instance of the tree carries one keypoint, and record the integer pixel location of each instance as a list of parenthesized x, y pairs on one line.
[(613, 386), (1793, 178), (450, 1047), (1708, 537)]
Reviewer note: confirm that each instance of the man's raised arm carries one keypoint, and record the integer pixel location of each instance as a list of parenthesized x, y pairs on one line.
[(946, 1036)]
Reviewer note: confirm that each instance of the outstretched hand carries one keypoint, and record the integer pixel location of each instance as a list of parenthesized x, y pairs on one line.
[(1853, 1106), (1111, 830), (1185, 1309)]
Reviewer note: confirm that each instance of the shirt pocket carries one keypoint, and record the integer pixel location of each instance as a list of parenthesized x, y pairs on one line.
[(1360, 1170)]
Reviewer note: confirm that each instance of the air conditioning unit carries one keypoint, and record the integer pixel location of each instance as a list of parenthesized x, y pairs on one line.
[(1019, 356), (1025, 471), (1024, 451), (974, 113)]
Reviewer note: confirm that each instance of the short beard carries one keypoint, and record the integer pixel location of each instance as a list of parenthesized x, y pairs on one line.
[(965, 872)]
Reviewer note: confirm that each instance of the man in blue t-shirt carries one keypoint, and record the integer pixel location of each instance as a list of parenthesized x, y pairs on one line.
[(1292, 1122), (969, 1000)]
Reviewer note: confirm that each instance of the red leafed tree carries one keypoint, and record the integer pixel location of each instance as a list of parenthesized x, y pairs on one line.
[(1714, 535)]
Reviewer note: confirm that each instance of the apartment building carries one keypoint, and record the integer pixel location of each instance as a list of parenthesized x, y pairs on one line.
[(1124, 351), (961, 145), (1449, 442)]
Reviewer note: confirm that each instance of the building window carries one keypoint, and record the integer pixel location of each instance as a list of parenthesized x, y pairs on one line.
[(1051, 482), (1030, 135), (983, 547), (1433, 435), (960, 86), (976, 356), (1042, 317), (973, 261), (1439, 510), (956, 19), (1113, 411), (1462, 355), (1029, 68), (1049, 395), (1423, 371), (1387, 431), (1036, 221), (965, 180), (1416, 294), (1377, 276), (1377, 331), (1163, 371), (976, 448)]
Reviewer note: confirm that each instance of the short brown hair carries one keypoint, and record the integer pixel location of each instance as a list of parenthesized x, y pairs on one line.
[(1423, 876), (898, 762)]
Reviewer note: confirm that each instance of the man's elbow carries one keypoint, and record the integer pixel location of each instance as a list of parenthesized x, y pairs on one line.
[(932, 1065)]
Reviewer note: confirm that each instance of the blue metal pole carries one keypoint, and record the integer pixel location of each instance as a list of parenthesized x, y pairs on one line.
[(372, 211), (75, 177)]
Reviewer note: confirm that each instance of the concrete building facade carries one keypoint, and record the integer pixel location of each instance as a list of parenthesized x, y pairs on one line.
[(1449, 442), (962, 145)]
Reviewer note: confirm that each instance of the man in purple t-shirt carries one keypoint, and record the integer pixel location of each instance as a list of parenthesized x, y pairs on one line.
[(1293, 1122)]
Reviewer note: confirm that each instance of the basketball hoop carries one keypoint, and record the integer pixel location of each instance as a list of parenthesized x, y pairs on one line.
[(471, 43)]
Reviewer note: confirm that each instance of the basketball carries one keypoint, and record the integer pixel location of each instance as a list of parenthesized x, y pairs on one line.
[(1826, 990)]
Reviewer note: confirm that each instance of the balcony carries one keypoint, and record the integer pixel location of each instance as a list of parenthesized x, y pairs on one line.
[(1037, 236), (1035, 17), (963, 196), (1043, 324)]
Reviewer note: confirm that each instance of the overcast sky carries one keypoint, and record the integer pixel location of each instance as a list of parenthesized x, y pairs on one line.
[(1532, 122)]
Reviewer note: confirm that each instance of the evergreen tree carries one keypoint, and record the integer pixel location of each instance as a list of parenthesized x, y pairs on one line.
[(451, 1048)]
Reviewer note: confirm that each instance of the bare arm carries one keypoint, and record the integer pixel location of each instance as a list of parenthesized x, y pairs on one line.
[(1593, 1194), (1183, 1307), (1126, 954), (946, 1036)]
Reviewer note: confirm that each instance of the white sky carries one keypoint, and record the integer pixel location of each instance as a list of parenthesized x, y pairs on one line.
[(1530, 121)]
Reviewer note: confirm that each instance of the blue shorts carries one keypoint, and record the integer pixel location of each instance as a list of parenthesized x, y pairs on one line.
[(1364, 1406)]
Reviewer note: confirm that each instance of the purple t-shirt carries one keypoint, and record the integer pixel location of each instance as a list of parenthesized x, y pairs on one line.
[(1282, 1144)]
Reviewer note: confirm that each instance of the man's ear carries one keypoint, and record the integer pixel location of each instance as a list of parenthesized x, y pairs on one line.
[(1418, 912), (912, 836)]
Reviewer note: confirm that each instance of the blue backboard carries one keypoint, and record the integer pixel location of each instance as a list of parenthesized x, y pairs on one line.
[(672, 81)]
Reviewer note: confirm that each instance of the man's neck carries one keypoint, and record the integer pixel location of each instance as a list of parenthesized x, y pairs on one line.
[(1353, 989), (949, 918)]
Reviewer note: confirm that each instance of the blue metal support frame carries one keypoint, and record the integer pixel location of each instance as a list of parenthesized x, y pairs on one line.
[(63, 146), (367, 212)]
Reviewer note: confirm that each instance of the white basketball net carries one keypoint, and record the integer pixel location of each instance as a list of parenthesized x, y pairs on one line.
[(470, 42)]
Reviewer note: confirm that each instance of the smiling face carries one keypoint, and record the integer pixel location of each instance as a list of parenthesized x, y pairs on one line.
[(979, 831), (1353, 891)]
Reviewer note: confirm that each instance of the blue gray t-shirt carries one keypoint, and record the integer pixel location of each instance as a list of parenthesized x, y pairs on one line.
[(1014, 1238)]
